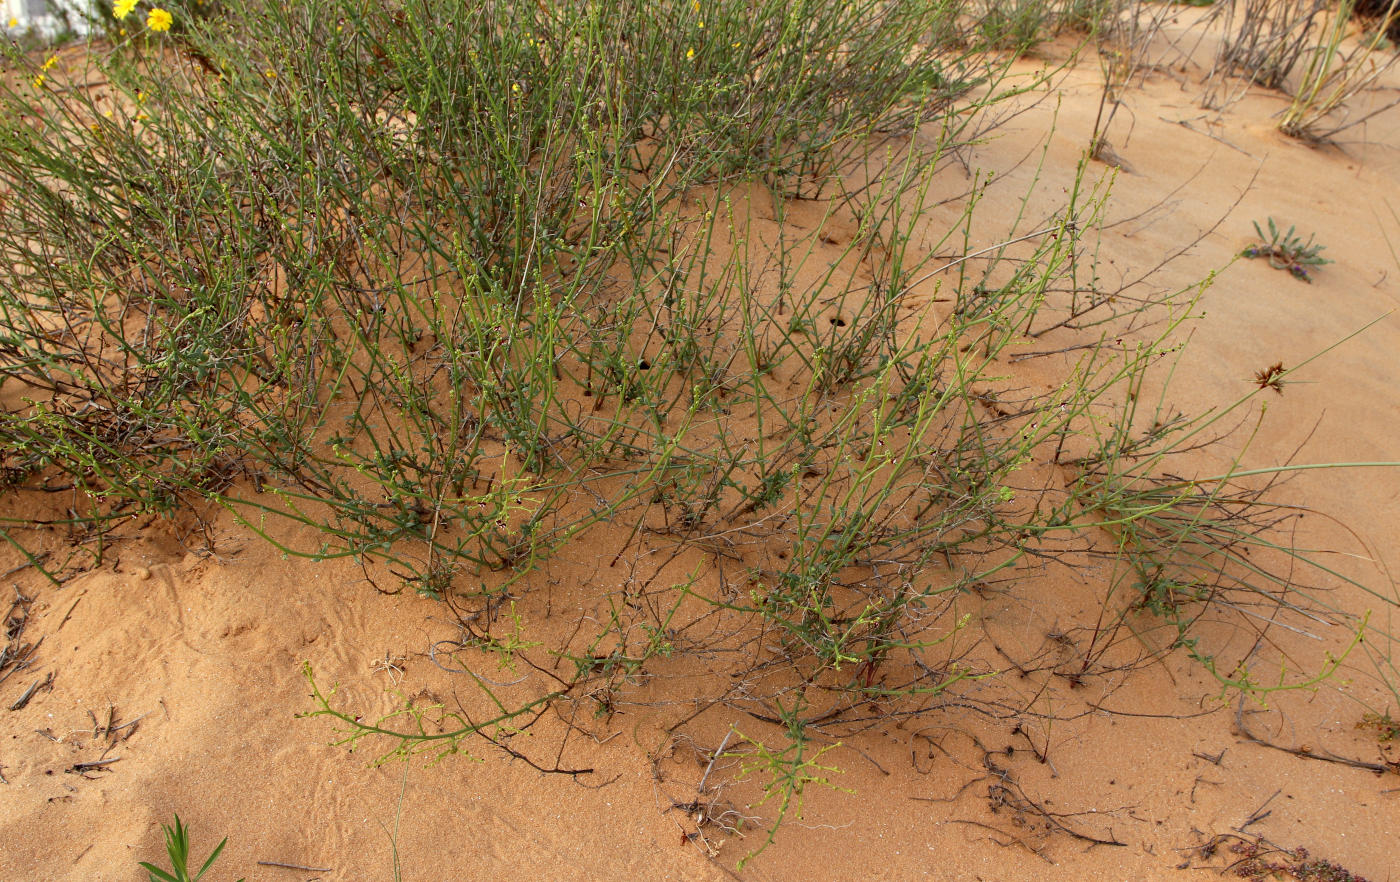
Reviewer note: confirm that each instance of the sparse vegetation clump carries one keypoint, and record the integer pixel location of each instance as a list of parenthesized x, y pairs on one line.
[(1337, 70), (177, 846), (1382, 725), (454, 287), (1258, 862), (1287, 251), (1311, 49)]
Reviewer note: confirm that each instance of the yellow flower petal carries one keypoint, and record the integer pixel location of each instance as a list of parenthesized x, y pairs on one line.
[(122, 8), (159, 19)]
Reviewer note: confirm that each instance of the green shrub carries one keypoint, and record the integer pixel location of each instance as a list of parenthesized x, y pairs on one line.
[(450, 284)]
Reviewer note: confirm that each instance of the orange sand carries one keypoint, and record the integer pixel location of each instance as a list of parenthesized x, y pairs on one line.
[(207, 650)]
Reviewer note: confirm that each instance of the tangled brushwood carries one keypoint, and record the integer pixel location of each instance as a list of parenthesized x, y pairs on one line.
[(456, 286)]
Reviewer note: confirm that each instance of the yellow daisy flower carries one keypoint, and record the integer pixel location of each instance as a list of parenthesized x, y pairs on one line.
[(159, 20), (122, 8)]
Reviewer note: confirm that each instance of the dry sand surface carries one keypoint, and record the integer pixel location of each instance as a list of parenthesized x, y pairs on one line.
[(182, 669)]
